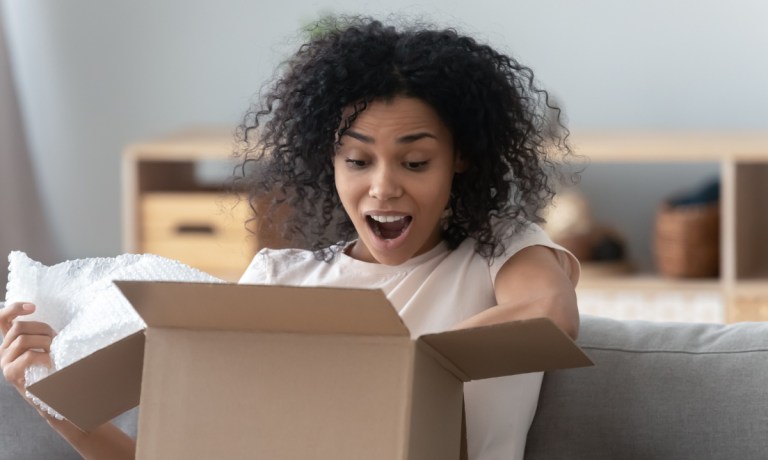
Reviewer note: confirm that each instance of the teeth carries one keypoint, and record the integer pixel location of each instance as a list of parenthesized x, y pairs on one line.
[(387, 219)]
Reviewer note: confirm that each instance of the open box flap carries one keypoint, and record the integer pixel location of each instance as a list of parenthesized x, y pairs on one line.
[(515, 347), (242, 307), (99, 387)]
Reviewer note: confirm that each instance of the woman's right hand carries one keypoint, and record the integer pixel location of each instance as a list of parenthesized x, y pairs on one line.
[(24, 343), (29, 342)]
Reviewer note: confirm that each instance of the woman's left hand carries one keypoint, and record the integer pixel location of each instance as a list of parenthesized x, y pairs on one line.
[(25, 343)]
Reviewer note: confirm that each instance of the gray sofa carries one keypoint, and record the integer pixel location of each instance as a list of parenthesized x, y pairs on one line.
[(24, 435), (659, 391)]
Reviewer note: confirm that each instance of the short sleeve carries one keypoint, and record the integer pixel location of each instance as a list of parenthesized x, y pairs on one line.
[(533, 235), (259, 270)]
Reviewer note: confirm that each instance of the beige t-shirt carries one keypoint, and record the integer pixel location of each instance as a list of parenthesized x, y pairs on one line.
[(433, 292)]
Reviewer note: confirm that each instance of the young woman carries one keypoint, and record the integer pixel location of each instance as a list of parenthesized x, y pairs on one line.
[(415, 161)]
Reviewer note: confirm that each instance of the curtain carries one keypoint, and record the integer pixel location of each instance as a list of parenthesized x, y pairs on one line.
[(22, 220)]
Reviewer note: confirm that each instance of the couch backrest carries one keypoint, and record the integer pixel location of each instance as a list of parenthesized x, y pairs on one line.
[(658, 391)]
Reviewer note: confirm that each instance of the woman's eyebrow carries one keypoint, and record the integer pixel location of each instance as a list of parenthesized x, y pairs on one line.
[(408, 138), (414, 137), (360, 137)]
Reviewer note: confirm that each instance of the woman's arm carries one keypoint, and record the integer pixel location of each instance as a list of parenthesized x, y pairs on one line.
[(28, 342), (105, 442), (532, 284)]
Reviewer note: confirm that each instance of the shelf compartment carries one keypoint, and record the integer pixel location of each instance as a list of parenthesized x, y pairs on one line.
[(751, 221)]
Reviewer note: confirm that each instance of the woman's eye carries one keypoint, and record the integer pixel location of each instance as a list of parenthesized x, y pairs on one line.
[(416, 165), (357, 164)]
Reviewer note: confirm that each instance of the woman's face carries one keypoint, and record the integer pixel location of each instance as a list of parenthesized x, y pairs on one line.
[(393, 173)]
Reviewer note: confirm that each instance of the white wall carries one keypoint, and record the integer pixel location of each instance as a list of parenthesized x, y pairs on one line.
[(94, 75)]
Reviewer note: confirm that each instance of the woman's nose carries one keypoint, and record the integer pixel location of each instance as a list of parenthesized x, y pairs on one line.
[(384, 185)]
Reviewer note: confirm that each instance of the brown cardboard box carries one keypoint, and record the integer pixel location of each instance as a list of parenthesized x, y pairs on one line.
[(243, 371)]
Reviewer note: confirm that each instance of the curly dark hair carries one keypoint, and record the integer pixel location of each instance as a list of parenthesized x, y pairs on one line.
[(502, 125)]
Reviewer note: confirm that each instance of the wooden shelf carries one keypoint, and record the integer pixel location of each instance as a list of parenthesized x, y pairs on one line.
[(670, 147), (754, 288), (648, 282), (204, 142), (168, 211), (168, 165), (743, 163)]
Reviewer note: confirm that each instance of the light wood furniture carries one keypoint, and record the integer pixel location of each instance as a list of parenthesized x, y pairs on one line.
[(743, 160), (169, 210), (164, 171)]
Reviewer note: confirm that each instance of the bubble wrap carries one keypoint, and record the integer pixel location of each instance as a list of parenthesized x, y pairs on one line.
[(80, 302)]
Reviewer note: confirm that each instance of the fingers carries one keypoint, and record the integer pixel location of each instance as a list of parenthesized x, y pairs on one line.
[(14, 371), (19, 328), (11, 312), (22, 343)]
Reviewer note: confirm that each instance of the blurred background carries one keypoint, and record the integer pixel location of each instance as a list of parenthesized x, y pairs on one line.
[(82, 79)]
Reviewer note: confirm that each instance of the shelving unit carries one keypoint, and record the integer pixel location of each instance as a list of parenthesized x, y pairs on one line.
[(742, 284), (171, 209), (168, 168)]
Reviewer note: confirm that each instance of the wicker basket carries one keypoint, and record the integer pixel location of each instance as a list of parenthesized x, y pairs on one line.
[(687, 241)]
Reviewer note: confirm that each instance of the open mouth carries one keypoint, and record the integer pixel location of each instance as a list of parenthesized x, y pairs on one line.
[(388, 227)]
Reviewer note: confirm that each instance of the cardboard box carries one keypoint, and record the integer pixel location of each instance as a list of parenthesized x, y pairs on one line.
[(244, 371)]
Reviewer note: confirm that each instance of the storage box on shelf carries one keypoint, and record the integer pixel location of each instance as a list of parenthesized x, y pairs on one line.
[(203, 229), (741, 287), (170, 210)]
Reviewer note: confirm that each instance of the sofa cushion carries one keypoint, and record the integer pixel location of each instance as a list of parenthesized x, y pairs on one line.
[(658, 390)]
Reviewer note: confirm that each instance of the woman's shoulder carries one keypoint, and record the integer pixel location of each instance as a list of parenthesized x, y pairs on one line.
[(533, 235), (282, 255), (530, 234), (511, 239), (294, 265), (268, 263)]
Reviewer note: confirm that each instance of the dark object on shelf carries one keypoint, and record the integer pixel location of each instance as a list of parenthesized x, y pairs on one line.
[(607, 255), (709, 193), (687, 242), (608, 248)]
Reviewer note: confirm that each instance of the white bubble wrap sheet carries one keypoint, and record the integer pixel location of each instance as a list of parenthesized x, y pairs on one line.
[(79, 300)]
